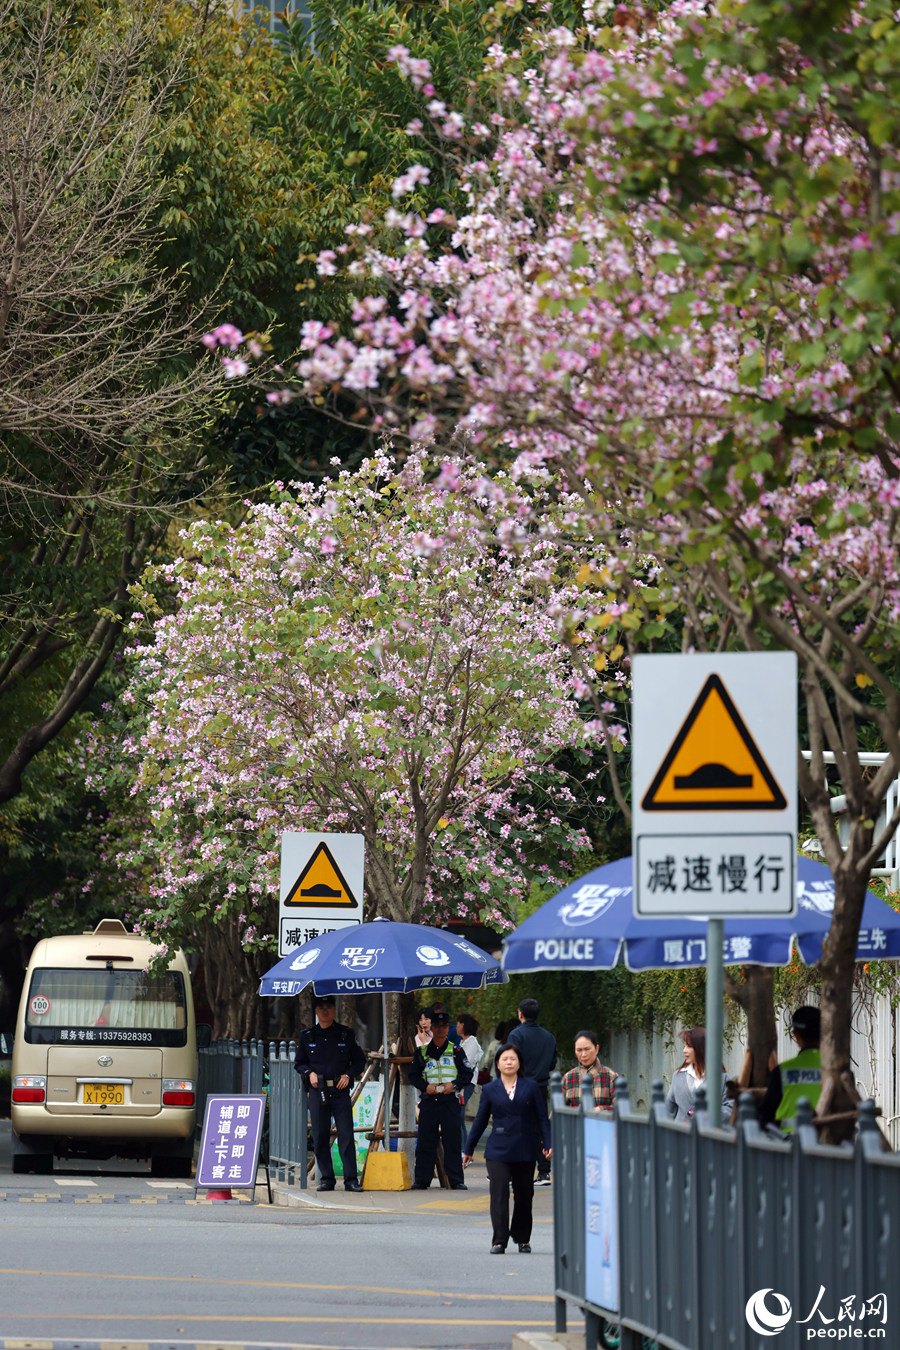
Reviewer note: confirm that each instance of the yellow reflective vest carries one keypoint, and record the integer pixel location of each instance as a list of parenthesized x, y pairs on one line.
[(440, 1070), (800, 1077)]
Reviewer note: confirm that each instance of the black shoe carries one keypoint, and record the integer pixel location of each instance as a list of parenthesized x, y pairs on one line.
[(352, 1185), (543, 1179), (524, 1246), (325, 1186), (420, 1185), (460, 1186), (497, 1250)]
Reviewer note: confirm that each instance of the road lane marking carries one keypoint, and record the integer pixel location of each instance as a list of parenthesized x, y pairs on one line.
[(279, 1284), (72, 1181)]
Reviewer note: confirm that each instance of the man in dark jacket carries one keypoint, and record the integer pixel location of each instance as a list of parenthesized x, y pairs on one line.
[(440, 1072), (328, 1059), (537, 1049)]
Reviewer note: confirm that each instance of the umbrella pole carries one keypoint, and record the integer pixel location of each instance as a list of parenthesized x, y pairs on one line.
[(715, 939), (387, 1075)]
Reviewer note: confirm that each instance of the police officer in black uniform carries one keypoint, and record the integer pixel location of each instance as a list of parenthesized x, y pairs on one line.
[(440, 1072), (328, 1059)]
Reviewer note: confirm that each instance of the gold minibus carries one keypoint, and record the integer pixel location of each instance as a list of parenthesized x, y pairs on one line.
[(105, 1056)]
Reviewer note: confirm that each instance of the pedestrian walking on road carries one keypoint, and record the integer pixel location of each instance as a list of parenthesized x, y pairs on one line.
[(328, 1059), (440, 1072), (603, 1079), (518, 1111), (537, 1051)]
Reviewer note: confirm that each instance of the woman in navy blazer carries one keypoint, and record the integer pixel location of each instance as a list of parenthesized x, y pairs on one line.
[(520, 1119)]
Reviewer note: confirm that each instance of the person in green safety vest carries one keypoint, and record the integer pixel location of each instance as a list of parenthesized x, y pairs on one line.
[(440, 1071), (795, 1078)]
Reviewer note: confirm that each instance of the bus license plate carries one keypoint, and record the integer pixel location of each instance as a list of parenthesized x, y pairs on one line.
[(104, 1094)]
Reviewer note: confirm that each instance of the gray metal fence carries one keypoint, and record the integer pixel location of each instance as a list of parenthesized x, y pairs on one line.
[(288, 1139), (568, 1203), (708, 1219), (230, 1066)]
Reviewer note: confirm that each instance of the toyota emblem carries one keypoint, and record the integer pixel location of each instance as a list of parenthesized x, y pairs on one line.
[(104, 1061)]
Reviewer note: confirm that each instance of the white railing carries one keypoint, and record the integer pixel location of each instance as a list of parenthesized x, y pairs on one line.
[(873, 1052), (890, 864)]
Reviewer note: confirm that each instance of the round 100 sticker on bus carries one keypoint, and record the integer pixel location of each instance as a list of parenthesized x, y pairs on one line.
[(39, 1005)]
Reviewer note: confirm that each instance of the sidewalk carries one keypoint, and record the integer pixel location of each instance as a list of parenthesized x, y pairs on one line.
[(435, 1200)]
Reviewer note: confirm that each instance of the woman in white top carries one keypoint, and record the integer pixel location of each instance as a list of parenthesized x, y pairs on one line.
[(423, 1036), (466, 1026), (423, 1027), (690, 1076)]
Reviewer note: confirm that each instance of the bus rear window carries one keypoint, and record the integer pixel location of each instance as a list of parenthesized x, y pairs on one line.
[(105, 1007)]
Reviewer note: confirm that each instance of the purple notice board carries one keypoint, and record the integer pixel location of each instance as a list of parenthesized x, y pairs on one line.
[(229, 1146)]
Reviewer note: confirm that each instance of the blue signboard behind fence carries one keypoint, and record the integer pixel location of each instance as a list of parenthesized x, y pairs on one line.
[(229, 1146), (601, 1255)]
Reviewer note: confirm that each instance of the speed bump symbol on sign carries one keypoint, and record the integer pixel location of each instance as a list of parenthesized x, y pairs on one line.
[(714, 763), (321, 883)]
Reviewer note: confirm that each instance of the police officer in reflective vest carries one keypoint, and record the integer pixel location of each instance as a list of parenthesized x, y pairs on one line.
[(328, 1059), (795, 1078), (440, 1072)]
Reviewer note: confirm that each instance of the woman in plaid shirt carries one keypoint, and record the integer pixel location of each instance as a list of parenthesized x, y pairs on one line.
[(604, 1084)]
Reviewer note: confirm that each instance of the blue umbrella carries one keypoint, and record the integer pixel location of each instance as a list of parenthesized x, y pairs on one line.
[(385, 958), (590, 925), (382, 957)]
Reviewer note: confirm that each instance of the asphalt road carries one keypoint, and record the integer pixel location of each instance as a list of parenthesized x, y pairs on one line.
[(89, 1255)]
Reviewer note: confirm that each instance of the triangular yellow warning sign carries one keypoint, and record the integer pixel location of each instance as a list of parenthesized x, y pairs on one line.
[(321, 883), (713, 763)]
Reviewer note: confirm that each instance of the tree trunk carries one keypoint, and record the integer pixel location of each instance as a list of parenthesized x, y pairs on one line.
[(232, 982), (837, 969), (756, 997), (850, 868), (14, 954), (346, 1011)]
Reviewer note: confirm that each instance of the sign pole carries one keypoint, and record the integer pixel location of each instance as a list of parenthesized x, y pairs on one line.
[(714, 805), (386, 1070), (715, 941)]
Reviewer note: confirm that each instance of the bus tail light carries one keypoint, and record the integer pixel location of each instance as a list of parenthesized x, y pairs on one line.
[(29, 1088), (178, 1092)]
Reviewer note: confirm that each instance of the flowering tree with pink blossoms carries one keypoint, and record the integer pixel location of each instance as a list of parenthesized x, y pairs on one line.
[(355, 657), (676, 292)]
